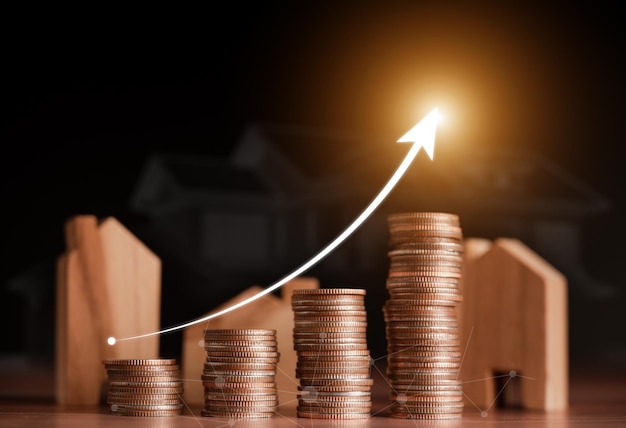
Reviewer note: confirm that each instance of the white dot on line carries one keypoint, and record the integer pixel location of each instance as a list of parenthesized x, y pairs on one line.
[(111, 341), (512, 373), (483, 414)]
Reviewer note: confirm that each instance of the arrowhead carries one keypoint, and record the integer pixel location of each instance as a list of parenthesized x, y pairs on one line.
[(423, 134)]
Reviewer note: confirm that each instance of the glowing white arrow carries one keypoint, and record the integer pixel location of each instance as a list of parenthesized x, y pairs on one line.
[(421, 135)]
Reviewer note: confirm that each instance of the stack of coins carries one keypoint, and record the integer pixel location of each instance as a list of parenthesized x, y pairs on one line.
[(421, 325), (141, 387), (334, 361), (239, 375)]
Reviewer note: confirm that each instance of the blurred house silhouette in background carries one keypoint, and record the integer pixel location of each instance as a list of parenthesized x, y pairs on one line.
[(221, 225)]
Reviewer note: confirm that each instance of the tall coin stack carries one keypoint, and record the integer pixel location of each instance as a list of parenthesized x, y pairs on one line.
[(421, 325), (333, 366), (239, 375), (144, 387)]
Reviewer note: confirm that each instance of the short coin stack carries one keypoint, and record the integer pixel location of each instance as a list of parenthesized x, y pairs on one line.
[(420, 315), (333, 358), (144, 387), (239, 375)]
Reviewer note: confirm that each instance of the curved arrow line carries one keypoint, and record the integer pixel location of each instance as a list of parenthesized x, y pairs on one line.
[(427, 126)]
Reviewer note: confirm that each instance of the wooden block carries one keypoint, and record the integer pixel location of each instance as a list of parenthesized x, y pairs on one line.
[(518, 311), (133, 274), (473, 248), (108, 284), (267, 312), (82, 313)]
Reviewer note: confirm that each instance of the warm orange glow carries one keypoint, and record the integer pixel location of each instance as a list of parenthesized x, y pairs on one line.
[(424, 133)]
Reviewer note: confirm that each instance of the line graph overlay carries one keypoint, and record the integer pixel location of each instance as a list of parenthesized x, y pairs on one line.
[(421, 135)]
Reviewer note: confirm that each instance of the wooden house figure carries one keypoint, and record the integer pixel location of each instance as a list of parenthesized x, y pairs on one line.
[(514, 328), (108, 284), (267, 312)]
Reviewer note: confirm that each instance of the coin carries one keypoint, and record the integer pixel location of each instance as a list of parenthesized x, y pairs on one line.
[(329, 415), (328, 291), (144, 387), (138, 362), (425, 267), (239, 376), (230, 414), (247, 332), (330, 340)]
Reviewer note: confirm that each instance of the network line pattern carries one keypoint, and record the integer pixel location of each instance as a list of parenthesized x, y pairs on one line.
[(402, 382), (221, 389)]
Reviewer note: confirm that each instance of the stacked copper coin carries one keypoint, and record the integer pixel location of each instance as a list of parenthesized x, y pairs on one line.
[(333, 358), (421, 325), (144, 387), (239, 375)]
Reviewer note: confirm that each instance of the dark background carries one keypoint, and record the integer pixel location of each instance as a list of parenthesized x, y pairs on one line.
[(87, 95)]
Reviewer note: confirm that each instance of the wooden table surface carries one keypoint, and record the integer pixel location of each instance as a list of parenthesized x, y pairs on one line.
[(597, 399)]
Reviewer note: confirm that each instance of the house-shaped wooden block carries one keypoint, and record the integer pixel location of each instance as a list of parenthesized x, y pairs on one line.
[(266, 312), (108, 284), (514, 327)]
